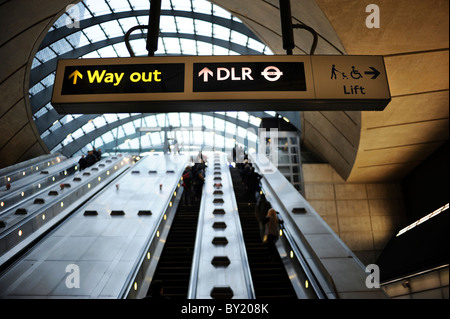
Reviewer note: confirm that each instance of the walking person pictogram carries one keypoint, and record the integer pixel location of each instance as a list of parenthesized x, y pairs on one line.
[(333, 73)]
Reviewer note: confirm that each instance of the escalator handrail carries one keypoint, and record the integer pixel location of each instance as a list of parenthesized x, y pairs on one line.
[(304, 264), (153, 236), (243, 250), (327, 279), (192, 292)]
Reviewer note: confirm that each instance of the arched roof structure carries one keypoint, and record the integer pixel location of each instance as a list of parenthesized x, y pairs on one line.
[(192, 27), (360, 146)]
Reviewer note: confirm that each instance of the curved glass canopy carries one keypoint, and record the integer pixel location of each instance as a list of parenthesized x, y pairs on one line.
[(96, 29)]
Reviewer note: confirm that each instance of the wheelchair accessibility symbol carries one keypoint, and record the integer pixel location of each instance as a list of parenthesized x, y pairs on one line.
[(355, 74)]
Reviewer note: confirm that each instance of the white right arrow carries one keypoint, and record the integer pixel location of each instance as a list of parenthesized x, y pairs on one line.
[(205, 71)]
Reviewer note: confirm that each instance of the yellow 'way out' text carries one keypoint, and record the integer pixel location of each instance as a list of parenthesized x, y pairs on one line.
[(115, 78)]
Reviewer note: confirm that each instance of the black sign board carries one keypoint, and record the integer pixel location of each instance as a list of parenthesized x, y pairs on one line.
[(123, 79), (249, 77), (220, 83)]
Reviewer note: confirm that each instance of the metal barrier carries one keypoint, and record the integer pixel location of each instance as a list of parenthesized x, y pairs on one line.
[(220, 267)]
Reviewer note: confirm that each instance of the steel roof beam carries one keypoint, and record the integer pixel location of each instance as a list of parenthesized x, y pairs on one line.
[(59, 33), (43, 70), (61, 133), (112, 145)]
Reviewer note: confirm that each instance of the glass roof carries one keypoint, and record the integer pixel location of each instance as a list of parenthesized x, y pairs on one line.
[(96, 29)]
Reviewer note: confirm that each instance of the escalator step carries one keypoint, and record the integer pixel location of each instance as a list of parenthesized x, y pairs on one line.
[(174, 266), (270, 279)]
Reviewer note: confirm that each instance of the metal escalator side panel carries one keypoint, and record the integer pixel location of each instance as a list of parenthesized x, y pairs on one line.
[(337, 269), (220, 265)]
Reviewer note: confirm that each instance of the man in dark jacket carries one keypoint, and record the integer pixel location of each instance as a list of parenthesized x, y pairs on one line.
[(251, 182), (261, 209), (82, 162), (187, 185), (90, 159), (198, 180)]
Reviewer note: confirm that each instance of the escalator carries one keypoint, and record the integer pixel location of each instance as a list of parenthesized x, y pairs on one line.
[(174, 266), (270, 279)]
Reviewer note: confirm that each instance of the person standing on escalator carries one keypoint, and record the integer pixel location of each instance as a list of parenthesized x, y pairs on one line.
[(272, 231), (252, 184), (198, 179), (261, 209), (187, 186)]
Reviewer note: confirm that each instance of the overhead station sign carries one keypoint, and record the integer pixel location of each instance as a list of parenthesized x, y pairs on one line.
[(119, 79), (249, 77), (220, 83)]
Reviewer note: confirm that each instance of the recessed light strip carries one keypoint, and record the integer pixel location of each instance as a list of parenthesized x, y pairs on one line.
[(423, 219)]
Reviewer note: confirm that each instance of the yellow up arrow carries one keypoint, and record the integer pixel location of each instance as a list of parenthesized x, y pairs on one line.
[(75, 76)]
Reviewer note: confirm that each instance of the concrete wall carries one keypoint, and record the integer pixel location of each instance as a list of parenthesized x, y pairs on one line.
[(24, 24), (364, 216)]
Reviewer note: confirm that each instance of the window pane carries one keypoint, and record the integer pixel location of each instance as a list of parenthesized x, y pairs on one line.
[(77, 39), (165, 5), (61, 46), (134, 143), (204, 48), (230, 128), (243, 116), (217, 50), (119, 133), (197, 119), (129, 128), (185, 25), (239, 38), (112, 28), (221, 32), (45, 54), (119, 5), (99, 121), (121, 49), (202, 6), (139, 47), (208, 122), (255, 45), (218, 11), (98, 142), (88, 127), (156, 138), (140, 5), (174, 120), (151, 121), (145, 142), (189, 47), (92, 55), (78, 133), (161, 120), (203, 28), (219, 125), (98, 7), (184, 5), (128, 23), (94, 33), (167, 24), (108, 137), (107, 52), (172, 45)]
